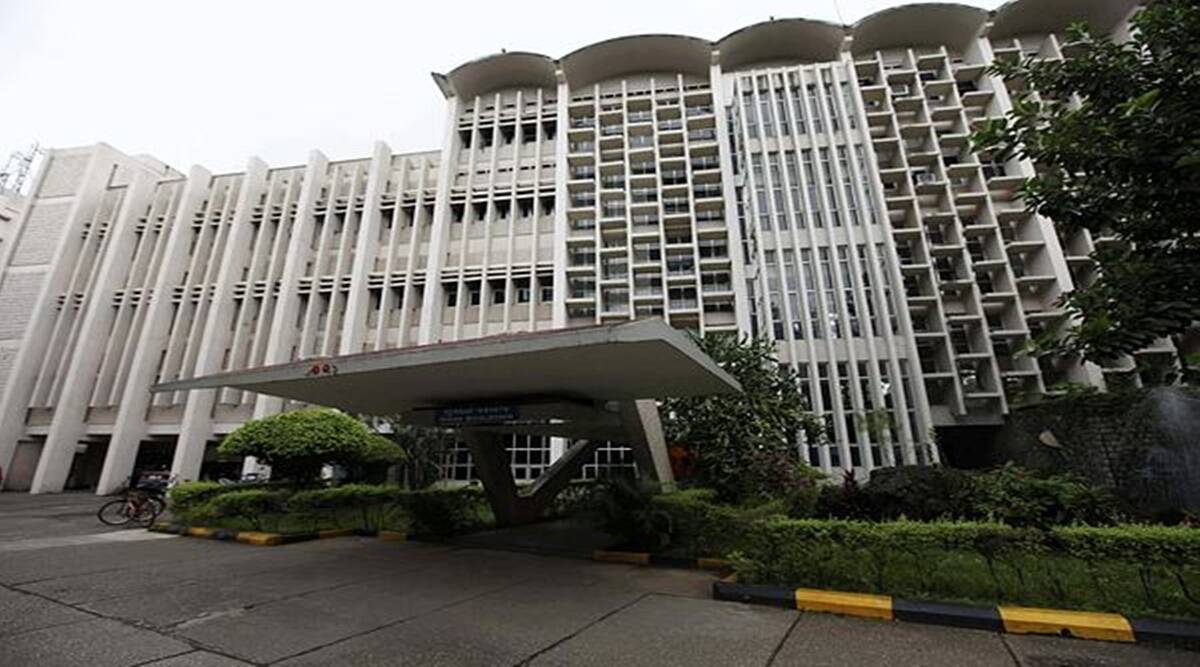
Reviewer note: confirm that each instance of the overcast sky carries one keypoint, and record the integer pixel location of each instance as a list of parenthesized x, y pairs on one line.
[(212, 82)]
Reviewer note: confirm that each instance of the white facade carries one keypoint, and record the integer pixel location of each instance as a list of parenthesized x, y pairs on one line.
[(799, 180)]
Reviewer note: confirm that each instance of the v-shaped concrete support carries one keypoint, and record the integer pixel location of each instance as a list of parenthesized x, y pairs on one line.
[(515, 506)]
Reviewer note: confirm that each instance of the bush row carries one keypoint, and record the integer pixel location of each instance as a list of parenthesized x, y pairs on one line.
[(1007, 494), (1134, 569), (436, 513)]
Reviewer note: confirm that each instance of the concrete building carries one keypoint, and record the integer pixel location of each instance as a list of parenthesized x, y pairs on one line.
[(800, 180)]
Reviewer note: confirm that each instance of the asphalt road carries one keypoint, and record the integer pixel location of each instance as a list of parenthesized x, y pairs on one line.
[(74, 594)]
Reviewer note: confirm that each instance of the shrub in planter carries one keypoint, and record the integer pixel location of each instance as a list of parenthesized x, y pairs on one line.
[(1138, 570), (187, 498), (359, 505), (702, 527), (921, 493), (253, 505), (1017, 497), (297, 444), (442, 513), (627, 511)]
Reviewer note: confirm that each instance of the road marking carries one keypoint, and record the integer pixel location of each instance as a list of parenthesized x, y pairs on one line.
[(77, 540)]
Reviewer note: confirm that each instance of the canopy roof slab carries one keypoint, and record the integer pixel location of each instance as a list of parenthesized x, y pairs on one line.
[(587, 384), (641, 359)]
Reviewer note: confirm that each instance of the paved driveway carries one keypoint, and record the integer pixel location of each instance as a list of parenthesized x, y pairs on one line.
[(171, 601)]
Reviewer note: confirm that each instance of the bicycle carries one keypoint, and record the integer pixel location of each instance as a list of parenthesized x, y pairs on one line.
[(134, 506), (139, 505)]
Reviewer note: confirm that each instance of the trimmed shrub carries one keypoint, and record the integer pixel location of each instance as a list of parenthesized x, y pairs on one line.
[(1007, 494), (256, 506), (1130, 569), (442, 513), (187, 498), (359, 505), (297, 444), (700, 526), (626, 510), (1017, 497), (920, 493)]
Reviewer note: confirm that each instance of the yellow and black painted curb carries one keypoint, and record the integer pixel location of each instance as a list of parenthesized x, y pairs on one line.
[(271, 539), (658, 560), (1013, 620)]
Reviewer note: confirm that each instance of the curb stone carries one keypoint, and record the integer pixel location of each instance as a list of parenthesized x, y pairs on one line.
[(262, 539), (644, 558), (1008, 619)]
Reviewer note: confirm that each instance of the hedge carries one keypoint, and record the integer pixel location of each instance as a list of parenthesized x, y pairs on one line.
[(435, 513), (1135, 569)]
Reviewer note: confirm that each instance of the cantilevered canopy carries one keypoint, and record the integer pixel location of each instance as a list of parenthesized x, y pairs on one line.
[(622, 362), (783, 40), (636, 54), (1024, 17), (588, 385), (500, 71), (924, 24)]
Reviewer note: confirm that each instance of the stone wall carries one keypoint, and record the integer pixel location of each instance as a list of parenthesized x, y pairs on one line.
[(1145, 444)]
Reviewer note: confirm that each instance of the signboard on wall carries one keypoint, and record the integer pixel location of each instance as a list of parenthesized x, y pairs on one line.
[(476, 415)]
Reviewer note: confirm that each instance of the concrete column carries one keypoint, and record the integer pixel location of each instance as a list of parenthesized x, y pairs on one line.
[(54, 277), (354, 324), (741, 298), (67, 426), (642, 423), (562, 125), (430, 330), (130, 426), (197, 415), (283, 331), (493, 467)]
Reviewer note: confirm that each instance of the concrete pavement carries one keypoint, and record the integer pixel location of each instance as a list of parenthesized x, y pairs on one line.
[(356, 601)]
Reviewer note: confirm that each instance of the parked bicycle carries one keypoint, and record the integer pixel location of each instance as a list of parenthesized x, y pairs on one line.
[(140, 503)]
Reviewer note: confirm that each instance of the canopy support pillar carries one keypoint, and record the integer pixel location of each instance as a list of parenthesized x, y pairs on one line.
[(493, 466), (513, 505), (646, 439)]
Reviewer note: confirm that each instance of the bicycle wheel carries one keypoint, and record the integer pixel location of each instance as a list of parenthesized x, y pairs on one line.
[(148, 510), (114, 512), (160, 504)]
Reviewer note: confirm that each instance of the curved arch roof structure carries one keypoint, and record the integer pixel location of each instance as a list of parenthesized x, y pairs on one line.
[(803, 40), (924, 24), (611, 58), (518, 69), (779, 40), (1024, 17)]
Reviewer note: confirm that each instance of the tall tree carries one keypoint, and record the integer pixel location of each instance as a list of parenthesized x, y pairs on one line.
[(426, 447), (1114, 131), (746, 443)]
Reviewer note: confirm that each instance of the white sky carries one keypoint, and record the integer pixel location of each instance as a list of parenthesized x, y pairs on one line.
[(212, 82)]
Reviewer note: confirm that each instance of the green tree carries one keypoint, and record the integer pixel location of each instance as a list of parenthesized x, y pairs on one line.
[(425, 446), (1114, 131), (745, 444), (297, 444)]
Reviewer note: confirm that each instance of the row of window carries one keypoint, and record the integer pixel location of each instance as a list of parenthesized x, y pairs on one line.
[(530, 455), (773, 107), (777, 210), (485, 136), (498, 292), (803, 285)]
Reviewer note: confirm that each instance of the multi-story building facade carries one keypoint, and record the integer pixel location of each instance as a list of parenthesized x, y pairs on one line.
[(807, 182)]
